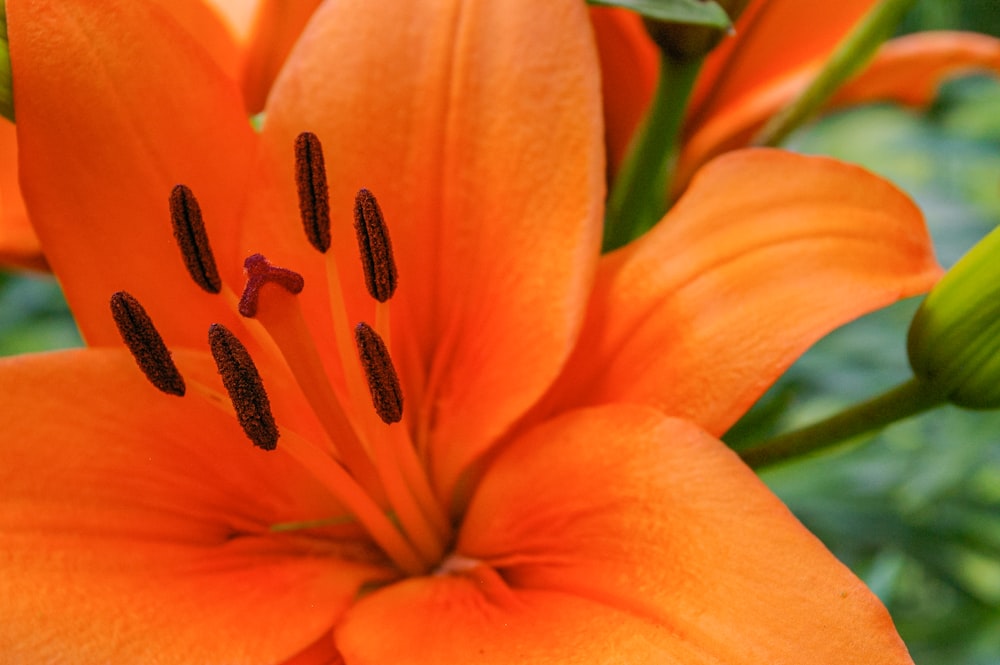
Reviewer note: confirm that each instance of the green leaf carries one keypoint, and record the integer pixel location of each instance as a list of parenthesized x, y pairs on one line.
[(6, 88), (696, 12)]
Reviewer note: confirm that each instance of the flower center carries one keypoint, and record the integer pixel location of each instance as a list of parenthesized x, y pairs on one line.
[(368, 459)]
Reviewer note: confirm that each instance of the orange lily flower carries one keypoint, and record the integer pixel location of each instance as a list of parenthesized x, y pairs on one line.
[(777, 48), (552, 491)]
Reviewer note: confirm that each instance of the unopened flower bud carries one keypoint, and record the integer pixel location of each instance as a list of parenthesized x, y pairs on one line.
[(689, 41), (954, 339)]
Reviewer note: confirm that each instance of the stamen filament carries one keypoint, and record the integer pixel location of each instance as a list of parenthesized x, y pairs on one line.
[(405, 456), (314, 209), (345, 490), (383, 322), (355, 499), (145, 344), (407, 487), (411, 516), (346, 349)]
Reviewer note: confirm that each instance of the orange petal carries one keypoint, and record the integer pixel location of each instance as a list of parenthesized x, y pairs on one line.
[(199, 19), (773, 39), (115, 105), (656, 518), (906, 70), (137, 530), (910, 69), (766, 253), (19, 245), (628, 537), (486, 156), (238, 15), (629, 70), (452, 620), (734, 126), (276, 27), (777, 48)]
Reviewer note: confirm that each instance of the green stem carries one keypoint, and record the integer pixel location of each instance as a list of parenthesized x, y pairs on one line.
[(901, 402), (638, 198), (6, 87), (849, 57)]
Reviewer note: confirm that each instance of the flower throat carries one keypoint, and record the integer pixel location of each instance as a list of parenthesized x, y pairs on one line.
[(368, 460)]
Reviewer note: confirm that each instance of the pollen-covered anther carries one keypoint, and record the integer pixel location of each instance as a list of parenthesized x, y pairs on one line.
[(145, 344), (245, 388), (260, 271), (189, 231), (375, 247), (314, 195), (383, 382)]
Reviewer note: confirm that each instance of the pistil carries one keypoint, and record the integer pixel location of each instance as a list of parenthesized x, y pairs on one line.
[(279, 311)]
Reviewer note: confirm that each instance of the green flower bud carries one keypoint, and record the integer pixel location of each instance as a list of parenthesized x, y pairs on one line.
[(954, 339), (6, 88), (684, 42)]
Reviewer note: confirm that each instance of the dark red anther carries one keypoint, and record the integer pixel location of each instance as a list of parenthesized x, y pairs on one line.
[(189, 231), (314, 195), (145, 344), (375, 247), (260, 272), (245, 388), (383, 382)]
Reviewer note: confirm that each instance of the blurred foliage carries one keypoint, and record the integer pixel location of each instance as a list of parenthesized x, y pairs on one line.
[(978, 15), (915, 510), (33, 315)]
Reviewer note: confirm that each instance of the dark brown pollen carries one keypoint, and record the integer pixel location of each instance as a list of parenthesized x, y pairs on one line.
[(189, 231), (383, 383), (260, 272), (375, 247), (314, 196), (145, 344), (245, 388)]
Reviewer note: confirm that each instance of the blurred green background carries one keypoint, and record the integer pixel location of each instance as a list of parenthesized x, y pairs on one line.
[(915, 510)]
